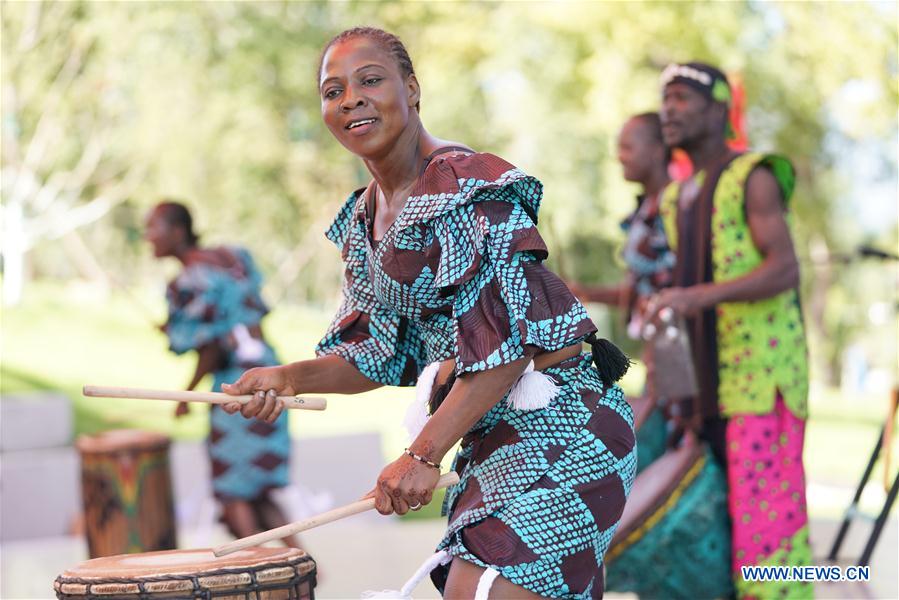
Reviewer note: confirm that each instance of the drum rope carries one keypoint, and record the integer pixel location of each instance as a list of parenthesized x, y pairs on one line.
[(207, 595), (199, 592)]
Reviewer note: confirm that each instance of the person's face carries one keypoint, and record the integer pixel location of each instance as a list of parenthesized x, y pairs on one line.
[(366, 100), (687, 115), (164, 238), (638, 151)]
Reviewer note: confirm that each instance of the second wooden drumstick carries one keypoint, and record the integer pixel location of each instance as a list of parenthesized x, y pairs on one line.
[(446, 480), (298, 402)]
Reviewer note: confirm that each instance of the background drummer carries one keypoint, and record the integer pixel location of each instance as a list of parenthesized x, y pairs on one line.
[(215, 309), (644, 160)]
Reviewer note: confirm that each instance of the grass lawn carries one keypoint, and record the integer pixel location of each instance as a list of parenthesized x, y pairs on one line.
[(61, 338)]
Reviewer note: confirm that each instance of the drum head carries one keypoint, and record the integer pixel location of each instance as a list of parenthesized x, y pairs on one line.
[(121, 439), (178, 562)]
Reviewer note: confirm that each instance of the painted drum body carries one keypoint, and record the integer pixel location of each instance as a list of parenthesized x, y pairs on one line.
[(127, 491)]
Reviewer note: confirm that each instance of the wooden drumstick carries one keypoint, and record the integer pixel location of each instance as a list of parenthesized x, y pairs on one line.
[(354, 508), (299, 402)]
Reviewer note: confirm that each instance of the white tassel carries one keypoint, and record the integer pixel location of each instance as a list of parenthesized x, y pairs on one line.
[(485, 582), (533, 390), (440, 557), (417, 412)]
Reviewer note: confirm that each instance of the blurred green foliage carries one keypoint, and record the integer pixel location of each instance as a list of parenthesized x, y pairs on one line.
[(110, 106)]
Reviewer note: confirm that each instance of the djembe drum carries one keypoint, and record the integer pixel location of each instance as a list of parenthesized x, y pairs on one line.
[(253, 574), (673, 540), (650, 428), (127, 492)]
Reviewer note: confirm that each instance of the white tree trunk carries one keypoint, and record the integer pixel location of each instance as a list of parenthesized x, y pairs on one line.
[(14, 248)]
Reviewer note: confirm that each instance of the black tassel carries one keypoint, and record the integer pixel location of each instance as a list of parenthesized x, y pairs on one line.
[(611, 363)]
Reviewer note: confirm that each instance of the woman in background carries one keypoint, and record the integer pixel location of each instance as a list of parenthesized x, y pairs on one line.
[(650, 262), (215, 309)]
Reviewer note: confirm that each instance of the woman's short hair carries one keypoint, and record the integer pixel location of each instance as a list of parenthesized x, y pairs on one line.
[(177, 215)]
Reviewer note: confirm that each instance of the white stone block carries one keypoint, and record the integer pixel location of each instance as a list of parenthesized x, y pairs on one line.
[(40, 492), (38, 420)]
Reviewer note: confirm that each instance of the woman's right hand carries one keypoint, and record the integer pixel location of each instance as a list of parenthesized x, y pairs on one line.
[(265, 384)]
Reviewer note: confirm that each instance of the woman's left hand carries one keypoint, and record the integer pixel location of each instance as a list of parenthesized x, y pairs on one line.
[(405, 484)]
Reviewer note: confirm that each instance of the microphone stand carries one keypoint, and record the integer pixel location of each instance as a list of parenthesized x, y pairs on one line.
[(883, 443)]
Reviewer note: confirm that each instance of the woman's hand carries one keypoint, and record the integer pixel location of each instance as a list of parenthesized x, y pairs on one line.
[(687, 302), (405, 484), (265, 384)]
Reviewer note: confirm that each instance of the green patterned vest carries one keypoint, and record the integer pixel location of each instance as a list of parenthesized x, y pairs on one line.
[(761, 344)]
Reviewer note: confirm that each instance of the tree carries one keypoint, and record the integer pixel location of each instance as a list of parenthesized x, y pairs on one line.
[(217, 104)]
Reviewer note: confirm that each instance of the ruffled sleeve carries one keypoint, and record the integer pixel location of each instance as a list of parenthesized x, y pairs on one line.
[(339, 231), (384, 346), (206, 302), (503, 297)]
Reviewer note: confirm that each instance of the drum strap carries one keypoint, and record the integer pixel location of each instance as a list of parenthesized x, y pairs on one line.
[(694, 266), (485, 583), (441, 557)]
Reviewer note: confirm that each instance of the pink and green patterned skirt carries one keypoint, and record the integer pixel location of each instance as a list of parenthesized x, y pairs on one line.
[(766, 499)]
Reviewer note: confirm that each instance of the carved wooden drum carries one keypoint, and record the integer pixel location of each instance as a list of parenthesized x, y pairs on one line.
[(127, 491)]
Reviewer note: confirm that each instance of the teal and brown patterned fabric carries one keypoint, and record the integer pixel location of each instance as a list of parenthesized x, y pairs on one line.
[(460, 275), (206, 303)]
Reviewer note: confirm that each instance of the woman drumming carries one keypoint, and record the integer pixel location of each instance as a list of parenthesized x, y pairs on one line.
[(444, 267), (644, 160), (650, 262), (673, 540), (215, 308)]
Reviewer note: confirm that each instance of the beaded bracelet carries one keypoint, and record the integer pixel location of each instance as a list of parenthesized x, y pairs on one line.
[(423, 459)]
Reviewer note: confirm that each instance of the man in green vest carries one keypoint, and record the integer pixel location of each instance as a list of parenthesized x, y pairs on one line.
[(736, 283)]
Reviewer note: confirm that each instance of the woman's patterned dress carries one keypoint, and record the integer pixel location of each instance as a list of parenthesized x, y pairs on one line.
[(459, 275), (212, 304)]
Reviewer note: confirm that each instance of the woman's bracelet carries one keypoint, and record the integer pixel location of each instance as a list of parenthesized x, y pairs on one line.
[(423, 459)]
